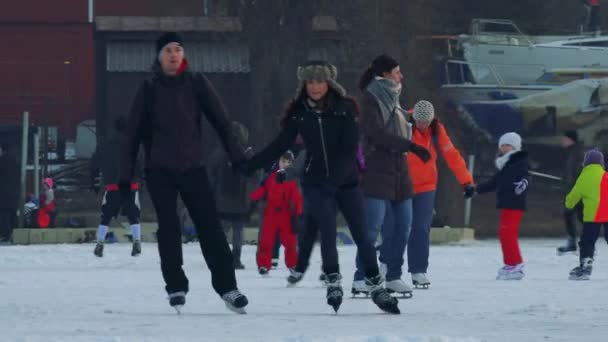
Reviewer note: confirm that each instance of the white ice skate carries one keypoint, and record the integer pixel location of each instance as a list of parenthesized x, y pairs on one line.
[(511, 272), (420, 281), (359, 287), (398, 286)]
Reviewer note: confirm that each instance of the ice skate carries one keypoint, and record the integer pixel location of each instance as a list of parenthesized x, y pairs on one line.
[(380, 296), (136, 249), (334, 290), (236, 301), (275, 262), (511, 272), (583, 271), (177, 300), (359, 288), (294, 277), (98, 249), (420, 281), (263, 271), (567, 248), (399, 287)]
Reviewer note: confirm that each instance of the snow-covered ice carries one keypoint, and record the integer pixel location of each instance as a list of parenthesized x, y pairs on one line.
[(64, 293)]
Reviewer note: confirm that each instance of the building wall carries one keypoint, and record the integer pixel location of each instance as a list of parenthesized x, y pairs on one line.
[(44, 11), (48, 70)]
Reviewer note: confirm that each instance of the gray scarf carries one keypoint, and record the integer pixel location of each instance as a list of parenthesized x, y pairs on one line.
[(386, 93)]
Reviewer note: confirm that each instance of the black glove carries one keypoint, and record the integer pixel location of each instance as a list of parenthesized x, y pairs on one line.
[(281, 176), (421, 152), (469, 191)]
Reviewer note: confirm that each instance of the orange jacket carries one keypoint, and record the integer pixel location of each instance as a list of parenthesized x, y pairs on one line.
[(424, 175)]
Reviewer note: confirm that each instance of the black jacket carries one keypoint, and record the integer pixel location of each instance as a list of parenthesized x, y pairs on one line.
[(510, 183), (166, 117), (330, 137)]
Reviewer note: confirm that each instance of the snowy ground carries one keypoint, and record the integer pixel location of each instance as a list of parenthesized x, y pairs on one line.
[(64, 293)]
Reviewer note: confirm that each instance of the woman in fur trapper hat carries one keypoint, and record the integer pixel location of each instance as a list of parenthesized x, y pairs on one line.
[(327, 123)]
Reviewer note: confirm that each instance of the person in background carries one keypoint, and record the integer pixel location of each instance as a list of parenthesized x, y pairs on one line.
[(9, 193), (591, 187), (282, 213), (594, 16), (430, 133), (511, 186), (106, 169), (574, 153), (47, 204)]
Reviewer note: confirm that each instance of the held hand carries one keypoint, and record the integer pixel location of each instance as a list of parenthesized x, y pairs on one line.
[(469, 191)]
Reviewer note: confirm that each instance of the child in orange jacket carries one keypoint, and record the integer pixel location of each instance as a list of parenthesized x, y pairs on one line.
[(282, 212)]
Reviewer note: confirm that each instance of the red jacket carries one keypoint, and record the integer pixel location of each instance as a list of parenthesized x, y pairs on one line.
[(283, 197), (424, 175)]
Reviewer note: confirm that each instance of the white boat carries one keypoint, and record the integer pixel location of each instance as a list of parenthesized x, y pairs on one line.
[(520, 58), (468, 91)]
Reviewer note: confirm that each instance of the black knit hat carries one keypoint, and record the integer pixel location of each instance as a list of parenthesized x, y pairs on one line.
[(572, 134), (383, 63), (167, 38)]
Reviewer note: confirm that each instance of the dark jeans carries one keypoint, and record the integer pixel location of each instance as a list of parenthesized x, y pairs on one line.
[(571, 216), (419, 240), (195, 191), (393, 219), (591, 231), (321, 203), (7, 222)]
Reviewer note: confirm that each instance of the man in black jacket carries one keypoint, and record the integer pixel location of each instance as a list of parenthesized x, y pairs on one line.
[(166, 117), (9, 193)]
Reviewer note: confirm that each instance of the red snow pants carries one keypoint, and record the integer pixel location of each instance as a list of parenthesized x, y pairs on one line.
[(273, 222), (508, 233)]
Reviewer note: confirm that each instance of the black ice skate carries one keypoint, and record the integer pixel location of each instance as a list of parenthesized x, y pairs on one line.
[(177, 300), (568, 247), (583, 271), (294, 277), (380, 295), (263, 271), (334, 290), (136, 249), (235, 301), (98, 249)]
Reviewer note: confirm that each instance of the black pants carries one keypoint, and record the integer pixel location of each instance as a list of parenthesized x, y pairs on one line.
[(113, 204), (6, 223), (594, 19), (195, 191), (321, 203), (571, 216), (591, 231)]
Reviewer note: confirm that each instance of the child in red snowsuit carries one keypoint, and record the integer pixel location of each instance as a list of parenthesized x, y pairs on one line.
[(283, 206), (47, 204)]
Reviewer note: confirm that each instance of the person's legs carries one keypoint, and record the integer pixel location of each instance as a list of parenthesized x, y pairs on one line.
[(267, 239), (376, 212), (289, 240), (196, 193), (591, 232), (399, 221), (307, 237), (163, 192), (508, 233), (352, 206), (320, 205), (419, 241)]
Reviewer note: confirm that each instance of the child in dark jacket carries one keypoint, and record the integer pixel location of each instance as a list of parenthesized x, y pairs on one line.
[(511, 186), (283, 208)]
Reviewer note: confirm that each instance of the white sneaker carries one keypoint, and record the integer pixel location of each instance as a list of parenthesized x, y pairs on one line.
[(511, 272), (359, 287), (398, 286), (420, 280)]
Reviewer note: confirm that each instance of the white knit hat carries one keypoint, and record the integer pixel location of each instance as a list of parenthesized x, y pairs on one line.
[(424, 111), (512, 139)]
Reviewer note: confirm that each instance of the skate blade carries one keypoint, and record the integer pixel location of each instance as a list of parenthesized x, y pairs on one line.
[(422, 286), (578, 278), (240, 311), (359, 294), (567, 253), (178, 309)]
